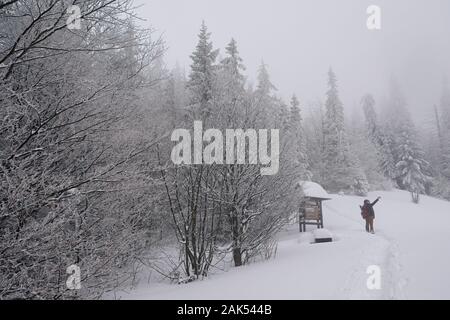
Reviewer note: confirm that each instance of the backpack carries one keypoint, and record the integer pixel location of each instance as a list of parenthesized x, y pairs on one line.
[(364, 211)]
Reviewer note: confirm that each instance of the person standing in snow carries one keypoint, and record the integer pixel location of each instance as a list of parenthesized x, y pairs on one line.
[(368, 213)]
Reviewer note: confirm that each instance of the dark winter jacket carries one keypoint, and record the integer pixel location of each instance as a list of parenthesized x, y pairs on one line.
[(367, 209)]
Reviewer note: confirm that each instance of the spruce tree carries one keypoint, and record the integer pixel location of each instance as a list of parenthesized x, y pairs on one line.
[(265, 100), (283, 120), (387, 160), (445, 104), (360, 186), (398, 124), (202, 76), (368, 103), (445, 134), (336, 155), (380, 139), (296, 135), (265, 86), (411, 168), (232, 66), (411, 165)]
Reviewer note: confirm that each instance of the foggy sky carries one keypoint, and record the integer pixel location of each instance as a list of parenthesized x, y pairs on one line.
[(300, 39)]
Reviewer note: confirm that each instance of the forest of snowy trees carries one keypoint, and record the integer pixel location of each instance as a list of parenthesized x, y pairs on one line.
[(86, 176)]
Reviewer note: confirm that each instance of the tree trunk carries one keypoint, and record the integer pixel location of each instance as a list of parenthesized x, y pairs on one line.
[(415, 196), (236, 234), (237, 257)]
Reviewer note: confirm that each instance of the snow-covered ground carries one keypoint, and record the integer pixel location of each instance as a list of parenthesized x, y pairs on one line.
[(411, 246)]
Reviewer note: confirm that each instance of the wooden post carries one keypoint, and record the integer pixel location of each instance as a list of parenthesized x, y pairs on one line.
[(300, 218), (321, 215)]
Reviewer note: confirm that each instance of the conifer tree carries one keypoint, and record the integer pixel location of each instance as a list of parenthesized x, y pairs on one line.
[(264, 96), (202, 76), (411, 165), (368, 103), (265, 86), (296, 135), (230, 87), (380, 140), (336, 155), (445, 127)]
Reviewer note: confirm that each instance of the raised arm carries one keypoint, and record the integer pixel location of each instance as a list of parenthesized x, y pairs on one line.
[(375, 202)]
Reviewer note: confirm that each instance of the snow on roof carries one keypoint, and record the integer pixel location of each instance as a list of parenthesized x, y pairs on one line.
[(314, 190)]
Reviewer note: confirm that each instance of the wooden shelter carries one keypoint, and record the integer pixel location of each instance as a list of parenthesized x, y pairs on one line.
[(310, 211)]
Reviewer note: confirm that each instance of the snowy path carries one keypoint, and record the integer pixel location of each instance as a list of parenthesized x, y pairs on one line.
[(418, 237), (411, 247), (376, 250)]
